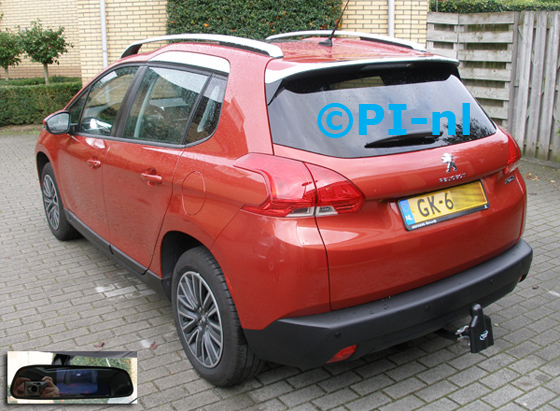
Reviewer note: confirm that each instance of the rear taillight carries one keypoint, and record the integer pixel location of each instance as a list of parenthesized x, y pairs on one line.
[(335, 194), (514, 154), (297, 189)]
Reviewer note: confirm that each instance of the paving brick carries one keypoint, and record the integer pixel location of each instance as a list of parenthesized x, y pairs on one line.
[(194, 401), (369, 402), (302, 395), (405, 371), (434, 374), (69, 296), (443, 404), (403, 388), (335, 399), (276, 374), (469, 393), (239, 402), (407, 403), (502, 396), (339, 381), (436, 391), (270, 391), (499, 378), (372, 384), (162, 397), (530, 382), (309, 377)]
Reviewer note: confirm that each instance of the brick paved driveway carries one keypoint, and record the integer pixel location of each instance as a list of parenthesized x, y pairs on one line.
[(68, 296)]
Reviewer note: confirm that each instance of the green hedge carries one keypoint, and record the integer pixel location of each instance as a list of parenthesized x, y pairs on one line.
[(38, 80), (31, 104), (253, 19), (487, 6)]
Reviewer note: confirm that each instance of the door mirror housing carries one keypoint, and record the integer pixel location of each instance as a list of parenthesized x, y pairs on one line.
[(48, 382), (58, 123)]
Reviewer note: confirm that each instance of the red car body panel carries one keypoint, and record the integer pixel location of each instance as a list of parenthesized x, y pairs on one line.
[(137, 181), (282, 274), (80, 178)]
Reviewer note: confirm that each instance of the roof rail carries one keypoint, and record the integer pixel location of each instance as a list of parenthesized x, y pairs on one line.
[(239, 42), (362, 36)]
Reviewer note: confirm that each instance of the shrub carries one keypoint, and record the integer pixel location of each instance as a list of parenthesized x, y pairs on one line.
[(38, 80), (487, 6), (253, 19), (30, 104)]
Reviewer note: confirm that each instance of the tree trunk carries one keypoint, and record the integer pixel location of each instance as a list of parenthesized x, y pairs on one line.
[(6, 73), (46, 70)]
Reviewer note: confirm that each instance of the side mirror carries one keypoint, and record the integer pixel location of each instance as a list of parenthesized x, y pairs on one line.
[(48, 382), (58, 123)]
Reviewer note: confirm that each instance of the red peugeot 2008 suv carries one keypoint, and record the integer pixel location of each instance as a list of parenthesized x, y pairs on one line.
[(298, 202)]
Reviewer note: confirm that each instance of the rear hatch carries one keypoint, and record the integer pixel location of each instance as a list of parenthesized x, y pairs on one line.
[(428, 160)]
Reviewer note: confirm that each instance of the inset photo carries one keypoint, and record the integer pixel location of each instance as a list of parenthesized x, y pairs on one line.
[(72, 377)]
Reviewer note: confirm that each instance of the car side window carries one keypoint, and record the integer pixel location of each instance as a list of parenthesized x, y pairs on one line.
[(205, 120), (104, 101), (76, 110), (163, 105)]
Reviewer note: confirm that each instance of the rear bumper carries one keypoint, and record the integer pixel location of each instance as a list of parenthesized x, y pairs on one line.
[(313, 340)]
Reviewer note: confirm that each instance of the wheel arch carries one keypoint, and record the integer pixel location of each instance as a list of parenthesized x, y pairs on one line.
[(173, 245), (42, 161)]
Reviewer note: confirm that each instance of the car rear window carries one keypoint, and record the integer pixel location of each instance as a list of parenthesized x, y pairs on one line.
[(370, 112)]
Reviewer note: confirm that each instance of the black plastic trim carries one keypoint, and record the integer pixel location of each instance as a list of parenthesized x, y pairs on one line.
[(133, 267), (128, 262), (90, 235), (312, 341)]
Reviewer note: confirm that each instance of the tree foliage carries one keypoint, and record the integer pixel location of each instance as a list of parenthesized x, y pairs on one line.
[(10, 50), (44, 46), (253, 19)]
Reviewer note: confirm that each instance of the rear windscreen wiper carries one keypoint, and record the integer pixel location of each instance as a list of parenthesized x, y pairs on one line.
[(410, 139)]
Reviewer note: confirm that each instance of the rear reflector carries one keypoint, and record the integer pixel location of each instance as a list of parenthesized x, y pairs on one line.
[(344, 354), (297, 189)]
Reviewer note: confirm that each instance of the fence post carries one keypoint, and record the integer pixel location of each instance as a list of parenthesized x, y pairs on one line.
[(548, 128), (522, 76)]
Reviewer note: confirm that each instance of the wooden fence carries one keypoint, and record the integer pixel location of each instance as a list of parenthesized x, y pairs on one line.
[(510, 62)]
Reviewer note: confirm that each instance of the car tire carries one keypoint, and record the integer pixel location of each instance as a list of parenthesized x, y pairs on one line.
[(207, 322), (52, 203)]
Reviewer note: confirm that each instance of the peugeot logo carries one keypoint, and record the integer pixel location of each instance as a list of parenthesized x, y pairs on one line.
[(448, 159)]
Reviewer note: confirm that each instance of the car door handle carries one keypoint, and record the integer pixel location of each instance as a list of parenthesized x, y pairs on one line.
[(94, 163), (151, 177)]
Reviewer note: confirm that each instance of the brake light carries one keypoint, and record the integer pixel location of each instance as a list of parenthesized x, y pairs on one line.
[(335, 194), (296, 189), (514, 154)]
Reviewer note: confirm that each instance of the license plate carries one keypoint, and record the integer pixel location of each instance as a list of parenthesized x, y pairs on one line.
[(433, 208)]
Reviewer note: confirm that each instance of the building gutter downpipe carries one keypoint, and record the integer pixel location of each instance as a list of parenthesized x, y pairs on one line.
[(103, 33), (391, 19)]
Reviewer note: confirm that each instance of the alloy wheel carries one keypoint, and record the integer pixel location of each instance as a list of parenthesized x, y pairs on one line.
[(52, 204), (200, 319)]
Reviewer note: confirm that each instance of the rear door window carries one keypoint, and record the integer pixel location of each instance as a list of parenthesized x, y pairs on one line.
[(163, 104), (371, 112)]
